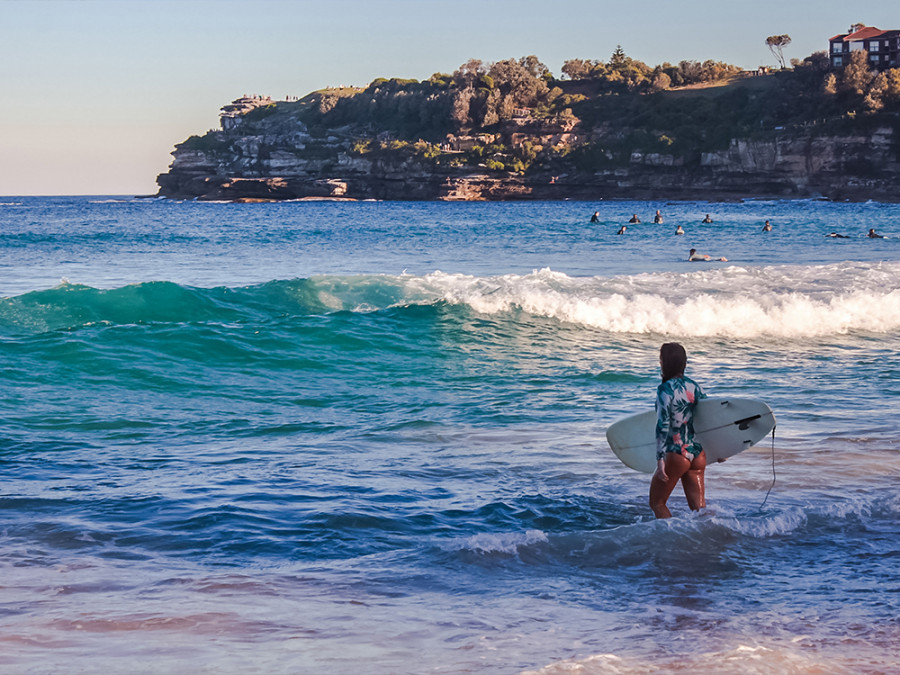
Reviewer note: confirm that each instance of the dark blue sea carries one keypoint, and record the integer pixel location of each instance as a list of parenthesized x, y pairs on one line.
[(368, 437)]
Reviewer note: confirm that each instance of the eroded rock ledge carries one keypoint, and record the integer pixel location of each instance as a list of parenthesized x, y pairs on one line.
[(275, 157)]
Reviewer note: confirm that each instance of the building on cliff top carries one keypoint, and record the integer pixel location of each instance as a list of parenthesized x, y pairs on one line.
[(883, 46)]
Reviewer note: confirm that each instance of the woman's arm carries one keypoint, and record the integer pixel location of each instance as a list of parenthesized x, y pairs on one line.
[(663, 415)]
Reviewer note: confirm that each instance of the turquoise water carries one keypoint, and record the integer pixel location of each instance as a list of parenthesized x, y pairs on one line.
[(369, 437)]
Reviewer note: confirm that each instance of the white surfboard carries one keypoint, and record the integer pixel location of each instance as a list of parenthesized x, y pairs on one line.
[(723, 426)]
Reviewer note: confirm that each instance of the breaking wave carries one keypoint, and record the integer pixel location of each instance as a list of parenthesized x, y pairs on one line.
[(786, 302), (729, 302)]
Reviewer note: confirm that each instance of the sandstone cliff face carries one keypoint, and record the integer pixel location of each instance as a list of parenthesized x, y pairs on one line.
[(791, 165), (281, 160), (814, 164)]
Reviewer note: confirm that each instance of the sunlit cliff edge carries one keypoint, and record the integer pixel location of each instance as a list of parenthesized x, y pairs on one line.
[(512, 131)]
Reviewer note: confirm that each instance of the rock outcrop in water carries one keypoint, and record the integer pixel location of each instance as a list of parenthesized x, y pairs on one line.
[(296, 150)]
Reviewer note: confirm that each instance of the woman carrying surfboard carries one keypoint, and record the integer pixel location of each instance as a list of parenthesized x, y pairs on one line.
[(678, 454)]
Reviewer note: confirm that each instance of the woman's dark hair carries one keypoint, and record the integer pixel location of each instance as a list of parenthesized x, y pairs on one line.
[(672, 359)]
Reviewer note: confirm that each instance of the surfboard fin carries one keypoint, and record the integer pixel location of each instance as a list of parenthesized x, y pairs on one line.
[(744, 424)]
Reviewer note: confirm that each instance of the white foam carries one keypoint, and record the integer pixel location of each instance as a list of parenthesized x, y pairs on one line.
[(741, 659), (802, 301), (862, 508), (505, 542), (765, 526)]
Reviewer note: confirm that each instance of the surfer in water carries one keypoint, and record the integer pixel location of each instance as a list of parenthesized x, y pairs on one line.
[(679, 457), (693, 256)]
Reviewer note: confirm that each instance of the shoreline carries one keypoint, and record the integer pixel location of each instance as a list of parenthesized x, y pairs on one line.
[(486, 188), (709, 199)]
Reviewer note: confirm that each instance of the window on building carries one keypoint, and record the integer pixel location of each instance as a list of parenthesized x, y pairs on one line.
[(837, 47), (873, 46), (838, 61)]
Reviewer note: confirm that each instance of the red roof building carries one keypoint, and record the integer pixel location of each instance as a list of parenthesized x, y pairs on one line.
[(883, 46)]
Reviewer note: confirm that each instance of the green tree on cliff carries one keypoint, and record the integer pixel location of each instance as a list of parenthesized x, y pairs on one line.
[(461, 114), (580, 69), (856, 75), (776, 45), (660, 81), (469, 72)]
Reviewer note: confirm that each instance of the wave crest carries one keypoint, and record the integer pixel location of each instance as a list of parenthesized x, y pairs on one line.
[(733, 302), (778, 302)]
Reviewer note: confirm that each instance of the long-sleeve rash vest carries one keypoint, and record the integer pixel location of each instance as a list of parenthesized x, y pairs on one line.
[(675, 401)]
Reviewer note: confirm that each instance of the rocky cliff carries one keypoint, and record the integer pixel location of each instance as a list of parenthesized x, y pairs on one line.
[(270, 154)]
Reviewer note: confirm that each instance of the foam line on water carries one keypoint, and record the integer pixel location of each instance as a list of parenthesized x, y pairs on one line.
[(734, 302)]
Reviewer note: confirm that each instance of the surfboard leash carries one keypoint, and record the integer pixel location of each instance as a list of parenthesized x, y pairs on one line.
[(773, 472)]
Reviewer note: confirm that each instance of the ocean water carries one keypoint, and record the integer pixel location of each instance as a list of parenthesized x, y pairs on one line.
[(369, 438)]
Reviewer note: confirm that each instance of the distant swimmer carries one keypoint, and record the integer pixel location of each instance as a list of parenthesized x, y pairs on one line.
[(707, 219), (657, 219), (835, 235), (693, 256), (634, 219), (596, 217), (679, 230), (622, 230), (767, 227), (873, 234)]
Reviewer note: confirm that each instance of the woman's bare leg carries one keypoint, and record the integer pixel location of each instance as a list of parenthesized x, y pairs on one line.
[(676, 466), (693, 483)]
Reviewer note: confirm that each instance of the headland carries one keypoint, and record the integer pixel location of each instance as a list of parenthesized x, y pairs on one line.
[(512, 131)]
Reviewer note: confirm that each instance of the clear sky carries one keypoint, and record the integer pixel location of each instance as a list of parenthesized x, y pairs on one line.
[(94, 94)]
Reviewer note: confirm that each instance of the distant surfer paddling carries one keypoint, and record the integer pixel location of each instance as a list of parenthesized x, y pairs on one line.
[(693, 256), (679, 457)]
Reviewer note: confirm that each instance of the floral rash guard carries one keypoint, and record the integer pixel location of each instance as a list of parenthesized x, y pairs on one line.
[(675, 401)]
